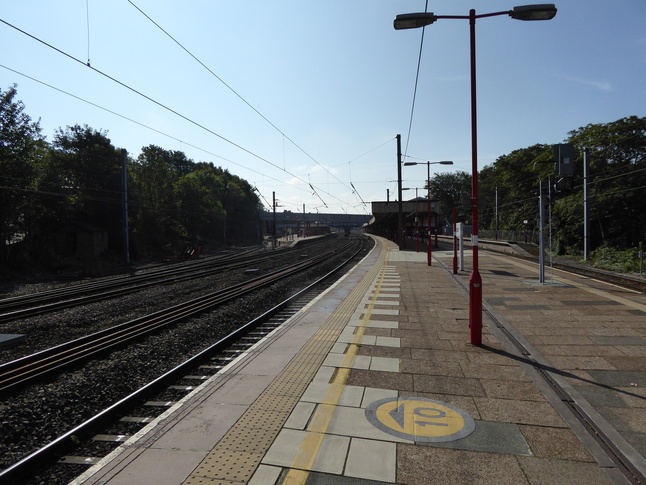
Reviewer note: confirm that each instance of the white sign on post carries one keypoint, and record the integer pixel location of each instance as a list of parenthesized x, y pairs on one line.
[(460, 234)]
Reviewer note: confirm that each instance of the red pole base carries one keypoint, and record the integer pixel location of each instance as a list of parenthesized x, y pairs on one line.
[(429, 256), (475, 308)]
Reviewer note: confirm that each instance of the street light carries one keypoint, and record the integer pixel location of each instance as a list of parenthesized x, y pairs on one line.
[(429, 244), (416, 20), (545, 11)]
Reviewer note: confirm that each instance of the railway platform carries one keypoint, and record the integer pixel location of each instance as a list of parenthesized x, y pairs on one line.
[(374, 382)]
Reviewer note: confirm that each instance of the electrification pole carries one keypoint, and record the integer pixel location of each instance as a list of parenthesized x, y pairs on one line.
[(273, 244), (400, 213), (124, 189), (586, 214)]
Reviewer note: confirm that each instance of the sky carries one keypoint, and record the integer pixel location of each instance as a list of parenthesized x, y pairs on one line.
[(305, 99)]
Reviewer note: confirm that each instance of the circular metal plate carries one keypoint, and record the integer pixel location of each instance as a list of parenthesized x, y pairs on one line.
[(420, 419)]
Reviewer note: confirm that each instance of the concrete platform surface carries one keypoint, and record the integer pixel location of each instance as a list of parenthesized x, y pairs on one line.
[(375, 382)]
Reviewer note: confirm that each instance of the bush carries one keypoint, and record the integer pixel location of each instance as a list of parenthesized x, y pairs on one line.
[(612, 259)]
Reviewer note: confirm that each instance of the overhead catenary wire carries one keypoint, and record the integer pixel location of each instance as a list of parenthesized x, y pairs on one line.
[(147, 127), (236, 93), (282, 182), (263, 197), (419, 63), (366, 153), (317, 189), (158, 103), (150, 128), (152, 100)]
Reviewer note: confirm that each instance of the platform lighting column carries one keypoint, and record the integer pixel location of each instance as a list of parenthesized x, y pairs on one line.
[(429, 243), (416, 221), (455, 241), (475, 280), (416, 20)]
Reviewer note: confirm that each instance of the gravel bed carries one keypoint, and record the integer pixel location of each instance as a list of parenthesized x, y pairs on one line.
[(40, 413), (58, 327)]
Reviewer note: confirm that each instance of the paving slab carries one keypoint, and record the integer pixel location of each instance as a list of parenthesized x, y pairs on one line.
[(397, 382)]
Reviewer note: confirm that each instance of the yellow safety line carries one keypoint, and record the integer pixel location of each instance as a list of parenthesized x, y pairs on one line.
[(311, 444)]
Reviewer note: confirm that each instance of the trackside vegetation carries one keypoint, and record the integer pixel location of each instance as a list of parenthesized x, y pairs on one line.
[(616, 201), (49, 189)]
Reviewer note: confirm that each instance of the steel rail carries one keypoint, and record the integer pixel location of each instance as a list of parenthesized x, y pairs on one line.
[(29, 368), (619, 279), (87, 295), (55, 293), (50, 300), (45, 454)]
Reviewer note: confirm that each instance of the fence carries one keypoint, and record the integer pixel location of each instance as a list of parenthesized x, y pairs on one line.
[(530, 237)]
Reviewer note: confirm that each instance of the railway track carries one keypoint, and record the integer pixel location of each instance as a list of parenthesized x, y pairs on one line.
[(13, 308), (8, 303), (23, 371), (620, 279), (217, 356)]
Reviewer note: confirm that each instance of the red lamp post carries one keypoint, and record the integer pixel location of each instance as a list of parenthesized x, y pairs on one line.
[(455, 241), (416, 20), (416, 221)]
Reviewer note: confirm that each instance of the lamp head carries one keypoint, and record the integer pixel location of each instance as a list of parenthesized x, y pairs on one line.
[(545, 11), (413, 20)]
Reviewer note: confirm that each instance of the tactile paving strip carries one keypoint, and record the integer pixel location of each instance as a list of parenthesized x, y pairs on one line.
[(236, 457)]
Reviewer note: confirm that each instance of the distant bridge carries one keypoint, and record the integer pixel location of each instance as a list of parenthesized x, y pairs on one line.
[(288, 221)]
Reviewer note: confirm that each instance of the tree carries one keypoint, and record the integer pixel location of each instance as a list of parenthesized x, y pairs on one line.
[(21, 146), (618, 181), (241, 211), (229, 205), (617, 201), (450, 189), (179, 201), (515, 177), (87, 168), (200, 206), (154, 175)]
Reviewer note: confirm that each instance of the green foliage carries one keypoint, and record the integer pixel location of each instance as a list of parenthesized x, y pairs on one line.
[(567, 223), (611, 259), (617, 202), (452, 190), (180, 200), (86, 169), (199, 202), (155, 174), (172, 200), (617, 180), (515, 177), (20, 158)]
